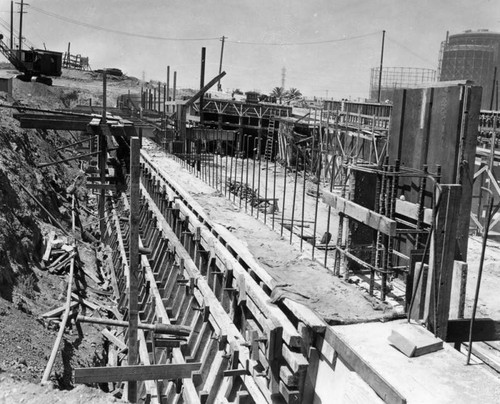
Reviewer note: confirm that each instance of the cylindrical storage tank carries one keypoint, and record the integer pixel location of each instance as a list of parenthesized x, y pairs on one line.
[(397, 77), (471, 55)]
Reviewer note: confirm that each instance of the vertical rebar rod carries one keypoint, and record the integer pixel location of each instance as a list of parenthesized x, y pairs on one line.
[(318, 181), (376, 233), (383, 254), (259, 145), (275, 206), (340, 230), (225, 168), (304, 182), (231, 172), (284, 196), (328, 234), (252, 202), (294, 193), (246, 176), (265, 191), (243, 143)]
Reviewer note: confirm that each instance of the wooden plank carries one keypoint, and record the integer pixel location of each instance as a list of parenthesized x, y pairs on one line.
[(311, 376), (410, 210), (114, 339), (356, 363), (106, 187), (361, 214), (135, 373), (54, 123), (48, 248), (485, 329), (459, 283), (442, 261), (58, 311)]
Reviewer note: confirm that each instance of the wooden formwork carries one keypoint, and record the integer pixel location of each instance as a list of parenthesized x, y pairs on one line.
[(248, 349)]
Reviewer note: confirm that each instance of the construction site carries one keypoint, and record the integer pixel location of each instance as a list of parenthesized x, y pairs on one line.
[(163, 244)]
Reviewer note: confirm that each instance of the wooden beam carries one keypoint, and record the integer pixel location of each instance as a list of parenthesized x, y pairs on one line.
[(361, 214), (410, 210), (355, 362), (135, 373), (440, 273), (105, 187), (54, 123), (485, 329)]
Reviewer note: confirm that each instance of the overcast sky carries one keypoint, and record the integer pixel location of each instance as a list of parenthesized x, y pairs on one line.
[(350, 32)]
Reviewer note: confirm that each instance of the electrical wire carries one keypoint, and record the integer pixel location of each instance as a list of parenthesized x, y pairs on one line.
[(410, 51), (306, 43), (96, 27)]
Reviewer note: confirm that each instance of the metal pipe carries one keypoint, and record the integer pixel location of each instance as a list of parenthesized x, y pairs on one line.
[(158, 328), (231, 172), (381, 66), (294, 193), (480, 272)]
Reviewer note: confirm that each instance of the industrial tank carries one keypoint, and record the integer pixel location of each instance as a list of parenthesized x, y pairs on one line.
[(472, 55)]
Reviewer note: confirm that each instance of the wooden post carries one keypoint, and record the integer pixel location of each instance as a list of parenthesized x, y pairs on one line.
[(159, 97), (102, 159), (173, 90), (439, 281), (133, 305), (167, 98)]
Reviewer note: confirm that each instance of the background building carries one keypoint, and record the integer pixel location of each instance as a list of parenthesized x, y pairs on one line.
[(472, 55)]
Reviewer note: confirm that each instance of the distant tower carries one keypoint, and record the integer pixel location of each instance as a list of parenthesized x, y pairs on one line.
[(471, 55), (143, 75), (283, 75)]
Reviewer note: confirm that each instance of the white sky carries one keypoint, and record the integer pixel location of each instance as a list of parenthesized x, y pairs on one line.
[(415, 29)]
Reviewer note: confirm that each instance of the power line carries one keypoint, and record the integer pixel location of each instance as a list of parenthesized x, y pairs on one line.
[(96, 27), (410, 51), (306, 43), (114, 31)]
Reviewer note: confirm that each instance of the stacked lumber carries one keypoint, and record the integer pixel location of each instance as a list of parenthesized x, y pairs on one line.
[(245, 192), (58, 254)]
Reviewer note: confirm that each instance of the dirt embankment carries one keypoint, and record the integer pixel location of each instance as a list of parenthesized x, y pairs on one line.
[(26, 289)]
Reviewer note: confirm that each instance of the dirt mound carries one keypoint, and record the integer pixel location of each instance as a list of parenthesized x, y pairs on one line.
[(14, 391)]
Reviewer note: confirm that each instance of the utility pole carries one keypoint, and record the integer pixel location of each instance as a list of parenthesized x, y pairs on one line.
[(202, 81), (283, 74), (381, 65), (219, 86), (21, 25), (11, 24)]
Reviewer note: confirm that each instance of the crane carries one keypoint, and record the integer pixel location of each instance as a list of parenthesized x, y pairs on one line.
[(33, 62)]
